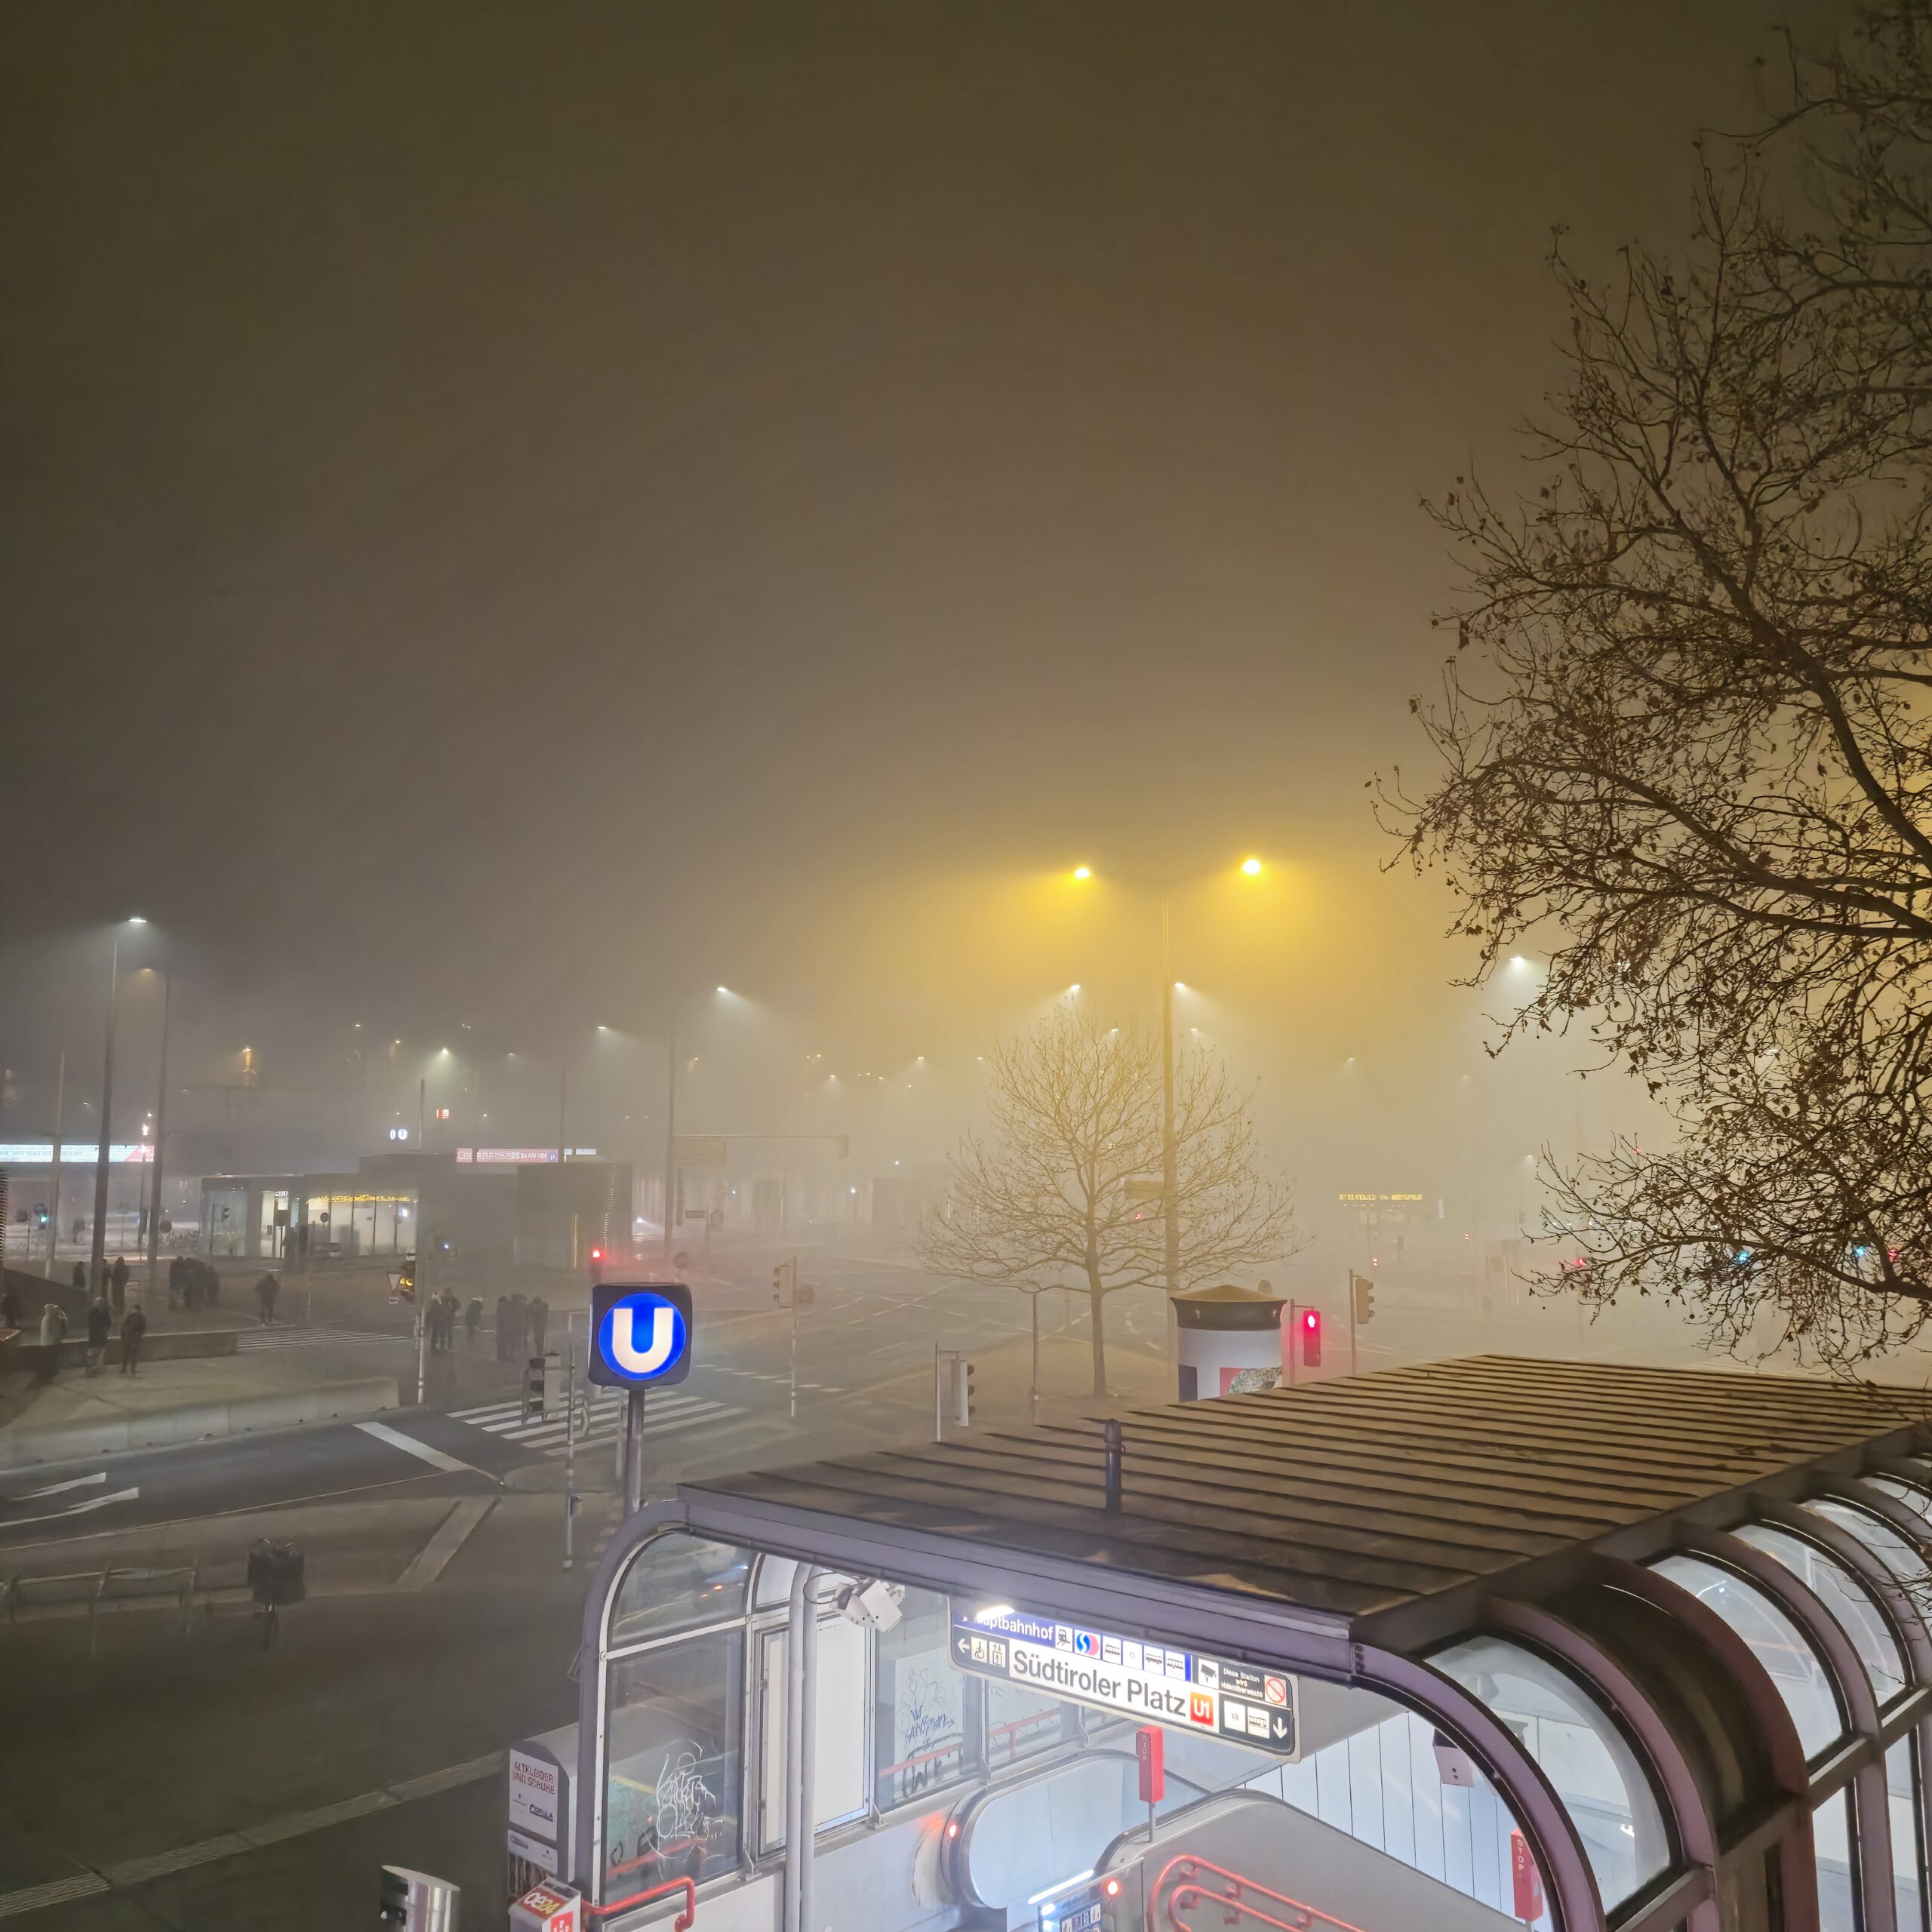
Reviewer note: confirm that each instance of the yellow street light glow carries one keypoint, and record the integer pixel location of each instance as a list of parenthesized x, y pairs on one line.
[(1083, 872), (724, 989), (1075, 988), (1252, 867)]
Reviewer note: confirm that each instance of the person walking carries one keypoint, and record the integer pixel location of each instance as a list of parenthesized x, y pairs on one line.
[(265, 1300), (100, 1326), (473, 1320), (540, 1320), (133, 1326), (437, 1318), (79, 1277), (53, 1329), (118, 1276)]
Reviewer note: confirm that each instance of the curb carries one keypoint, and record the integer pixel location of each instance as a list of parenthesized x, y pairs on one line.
[(195, 1421)]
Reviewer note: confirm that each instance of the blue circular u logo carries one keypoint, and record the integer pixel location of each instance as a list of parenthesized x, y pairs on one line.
[(642, 1337)]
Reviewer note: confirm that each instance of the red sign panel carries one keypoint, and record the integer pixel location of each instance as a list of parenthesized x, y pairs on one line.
[(1150, 1743), (1526, 1879)]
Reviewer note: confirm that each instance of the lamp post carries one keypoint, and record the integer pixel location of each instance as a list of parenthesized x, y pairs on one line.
[(59, 1125), (160, 1132), (97, 1260), (1169, 1154), (670, 1137)]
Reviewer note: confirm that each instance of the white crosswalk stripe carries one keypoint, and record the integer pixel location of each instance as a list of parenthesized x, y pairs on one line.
[(251, 1341), (665, 1414)]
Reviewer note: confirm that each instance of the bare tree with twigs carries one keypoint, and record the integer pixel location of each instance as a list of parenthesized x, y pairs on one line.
[(1687, 735), (1046, 1197)]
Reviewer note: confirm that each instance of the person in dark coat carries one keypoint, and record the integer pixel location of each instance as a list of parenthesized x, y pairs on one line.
[(175, 1273), (133, 1326), (265, 1299), (118, 1276), (100, 1326), (540, 1320), (80, 1275), (473, 1320)]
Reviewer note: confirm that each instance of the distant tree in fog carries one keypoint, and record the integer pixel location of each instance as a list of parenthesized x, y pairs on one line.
[(1044, 1199), (1686, 737)]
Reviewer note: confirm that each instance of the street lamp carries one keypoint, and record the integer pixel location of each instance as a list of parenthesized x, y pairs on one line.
[(97, 1260), (1250, 868), (160, 1134)]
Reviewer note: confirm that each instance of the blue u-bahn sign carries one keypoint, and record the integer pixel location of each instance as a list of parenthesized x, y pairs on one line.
[(640, 1337)]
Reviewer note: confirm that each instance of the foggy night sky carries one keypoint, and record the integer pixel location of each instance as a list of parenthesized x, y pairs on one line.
[(513, 511)]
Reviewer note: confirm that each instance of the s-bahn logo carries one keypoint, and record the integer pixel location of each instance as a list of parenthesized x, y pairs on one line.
[(641, 1335)]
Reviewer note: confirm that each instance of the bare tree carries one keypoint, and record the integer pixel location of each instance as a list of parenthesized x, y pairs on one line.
[(1046, 1198), (1695, 748)]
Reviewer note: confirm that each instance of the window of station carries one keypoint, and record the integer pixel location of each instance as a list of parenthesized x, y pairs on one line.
[(1917, 1500), (1877, 1536), (1789, 1660), (1831, 1844), (677, 1582), (920, 1705), (1581, 1751), (1844, 1596), (1907, 1820)]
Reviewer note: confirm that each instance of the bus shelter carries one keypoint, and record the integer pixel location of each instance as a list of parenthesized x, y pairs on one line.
[(1466, 1645)]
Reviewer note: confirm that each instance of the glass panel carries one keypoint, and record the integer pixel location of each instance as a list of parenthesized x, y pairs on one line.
[(1581, 1751), (838, 1743), (1021, 1721), (919, 1704), (1877, 1536), (1774, 1641), (1915, 1499), (675, 1722), (677, 1582), (1844, 1596), (1908, 1840), (1831, 1840)]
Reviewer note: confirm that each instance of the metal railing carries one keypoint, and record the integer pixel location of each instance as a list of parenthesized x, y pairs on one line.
[(87, 1590)]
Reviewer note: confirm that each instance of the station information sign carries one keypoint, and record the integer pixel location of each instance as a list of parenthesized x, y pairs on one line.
[(1154, 1683)]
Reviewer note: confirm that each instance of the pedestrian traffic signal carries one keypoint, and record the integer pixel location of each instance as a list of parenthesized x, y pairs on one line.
[(1364, 1294), (40, 1214), (1310, 1321), (533, 1388), (962, 1393), (780, 1283), (596, 1264)]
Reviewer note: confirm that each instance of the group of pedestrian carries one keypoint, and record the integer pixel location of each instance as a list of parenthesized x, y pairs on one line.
[(113, 1282), (192, 1284), (100, 1328), (441, 1313), (520, 1326)]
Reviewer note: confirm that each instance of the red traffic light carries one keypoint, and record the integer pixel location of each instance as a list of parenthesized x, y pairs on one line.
[(597, 1254), (1310, 1338)]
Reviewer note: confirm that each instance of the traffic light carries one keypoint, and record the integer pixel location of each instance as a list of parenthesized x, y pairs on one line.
[(597, 1264), (962, 1392), (40, 1214), (780, 1283), (533, 1388), (1310, 1338), (1364, 1295)]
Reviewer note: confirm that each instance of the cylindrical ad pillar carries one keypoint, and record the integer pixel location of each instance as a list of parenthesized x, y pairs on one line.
[(1229, 1340)]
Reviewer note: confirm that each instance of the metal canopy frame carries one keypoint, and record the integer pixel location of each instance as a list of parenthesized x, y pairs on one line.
[(1381, 1516)]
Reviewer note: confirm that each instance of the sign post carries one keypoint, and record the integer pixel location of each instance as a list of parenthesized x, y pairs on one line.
[(640, 1338)]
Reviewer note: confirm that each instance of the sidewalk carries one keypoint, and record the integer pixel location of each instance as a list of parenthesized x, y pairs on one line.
[(169, 1402)]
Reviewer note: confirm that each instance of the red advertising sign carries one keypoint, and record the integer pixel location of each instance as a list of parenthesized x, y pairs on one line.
[(1149, 1742), (1526, 1879)]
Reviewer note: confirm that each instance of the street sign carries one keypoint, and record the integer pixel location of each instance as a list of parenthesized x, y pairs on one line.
[(549, 1907), (1157, 1683), (641, 1335), (700, 1150)]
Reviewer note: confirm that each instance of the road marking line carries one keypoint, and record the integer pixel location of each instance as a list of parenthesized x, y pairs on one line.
[(72, 1510), (138, 1871), (58, 1891), (433, 1559), (320, 1819), (431, 1782), (55, 1488), (410, 1446)]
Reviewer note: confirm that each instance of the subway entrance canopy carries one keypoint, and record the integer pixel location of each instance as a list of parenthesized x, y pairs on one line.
[(1464, 1645)]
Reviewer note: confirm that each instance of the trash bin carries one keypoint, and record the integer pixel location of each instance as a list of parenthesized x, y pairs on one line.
[(417, 1902)]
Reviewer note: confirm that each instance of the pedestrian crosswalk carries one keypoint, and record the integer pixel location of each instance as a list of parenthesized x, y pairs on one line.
[(255, 1341), (600, 1419)]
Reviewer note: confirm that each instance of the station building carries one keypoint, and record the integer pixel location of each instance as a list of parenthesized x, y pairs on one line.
[(1465, 1646)]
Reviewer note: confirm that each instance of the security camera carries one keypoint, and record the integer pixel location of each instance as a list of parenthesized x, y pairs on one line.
[(872, 1603)]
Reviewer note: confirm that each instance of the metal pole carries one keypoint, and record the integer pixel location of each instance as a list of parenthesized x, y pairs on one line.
[(97, 1263), (422, 1338), (1169, 1176), (634, 1452), (1351, 1322), (800, 1668), (160, 1130), (1034, 1392), (563, 1099), (59, 1123), (570, 1429), (670, 1137), (421, 1122), (1294, 1338), (939, 1400), (795, 1337)]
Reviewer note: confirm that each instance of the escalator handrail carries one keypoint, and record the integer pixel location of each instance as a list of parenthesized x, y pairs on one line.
[(1186, 1884)]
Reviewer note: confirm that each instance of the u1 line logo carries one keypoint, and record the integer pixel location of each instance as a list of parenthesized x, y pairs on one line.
[(643, 1335)]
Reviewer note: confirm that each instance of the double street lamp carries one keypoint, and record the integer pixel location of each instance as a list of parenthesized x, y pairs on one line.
[(1170, 1156)]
